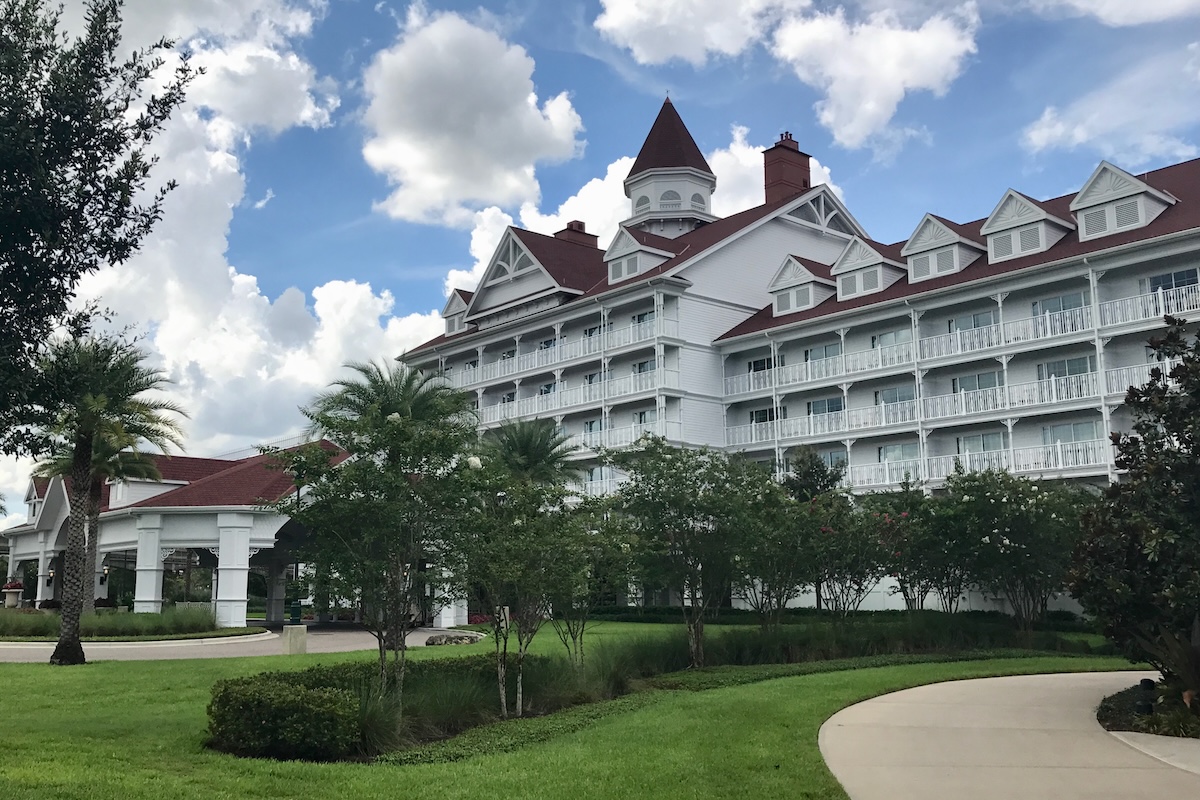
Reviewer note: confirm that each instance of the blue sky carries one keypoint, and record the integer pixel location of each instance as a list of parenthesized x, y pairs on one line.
[(342, 162)]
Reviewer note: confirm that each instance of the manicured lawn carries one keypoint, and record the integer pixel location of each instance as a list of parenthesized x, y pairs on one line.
[(134, 730)]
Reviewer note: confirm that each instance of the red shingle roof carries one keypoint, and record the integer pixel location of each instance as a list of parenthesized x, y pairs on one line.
[(571, 264), (1180, 180), (247, 482), (669, 144)]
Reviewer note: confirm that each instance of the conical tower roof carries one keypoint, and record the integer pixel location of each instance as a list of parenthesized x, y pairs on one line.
[(669, 145)]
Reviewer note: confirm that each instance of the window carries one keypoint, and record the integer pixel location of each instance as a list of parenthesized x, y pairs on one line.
[(798, 298), (642, 202), (968, 322), (698, 201), (834, 458), (546, 344), (643, 367), (508, 397), (896, 394), (1065, 367), (980, 443), (870, 280), (1064, 302), (980, 380), (669, 196), (767, 415), (1172, 280), (1095, 222), (645, 316), (472, 364), (1068, 432), (828, 405), (593, 425), (623, 268), (594, 330), (547, 388), (848, 285), (920, 266), (892, 338), (783, 301), (822, 352), (592, 378), (645, 417), (763, 364), (899, 452), (594, 474), (507, 354), (454, 323)]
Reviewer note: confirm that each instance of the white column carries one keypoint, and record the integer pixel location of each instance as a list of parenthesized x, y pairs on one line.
[(233, 558), (147, 592), (101, 588), (276, 592), (44, 592)]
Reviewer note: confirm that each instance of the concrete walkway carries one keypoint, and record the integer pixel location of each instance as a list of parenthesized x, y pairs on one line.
[(263, 644), (1030, 737)]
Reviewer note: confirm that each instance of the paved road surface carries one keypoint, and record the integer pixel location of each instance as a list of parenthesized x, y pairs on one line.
[(1029, 737)]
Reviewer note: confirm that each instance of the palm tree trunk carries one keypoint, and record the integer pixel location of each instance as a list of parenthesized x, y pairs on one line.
[(93, 546), (69, 650)]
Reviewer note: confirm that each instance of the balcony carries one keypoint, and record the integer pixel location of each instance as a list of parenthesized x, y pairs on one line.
[(624, 437), (1041, 460), (960, 342), (1048, 326), (564, 352), (881, 415), (611, 389), (597, 488), (879, 357), (1152, 306), (797, 427), (1054, 390), (1119, 380)]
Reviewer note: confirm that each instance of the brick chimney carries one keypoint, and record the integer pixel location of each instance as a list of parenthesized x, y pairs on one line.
[(785, 169), (576, 232)]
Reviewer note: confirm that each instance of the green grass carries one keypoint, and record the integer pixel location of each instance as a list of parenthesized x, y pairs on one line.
[(135, 730)]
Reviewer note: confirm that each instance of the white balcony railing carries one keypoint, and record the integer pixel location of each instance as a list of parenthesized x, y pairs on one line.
[(1154, 305), (1062, 455), (879, 357), (881, 415), (1120, 379), (941, 466), (1054, 390), (1047, 326), (615, 388), (959, 404), (888, 473), (623, 437), (564, 351), (966, 341)]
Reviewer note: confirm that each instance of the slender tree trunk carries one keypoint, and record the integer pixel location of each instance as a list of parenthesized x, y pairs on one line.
[(520, 678), (501, 637), (93, 546), (69, 650)]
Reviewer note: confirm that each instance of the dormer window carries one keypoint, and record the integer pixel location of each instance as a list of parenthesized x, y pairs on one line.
[(455, 324), (670, 199), (933, 263), (643, 203), (1017, 242), (622, 268), (863, 281), (1112, 201), (698, 202), (1111, 217), (792, 300)]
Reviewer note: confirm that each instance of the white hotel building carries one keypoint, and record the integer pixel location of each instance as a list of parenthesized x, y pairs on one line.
[(1005, 342)]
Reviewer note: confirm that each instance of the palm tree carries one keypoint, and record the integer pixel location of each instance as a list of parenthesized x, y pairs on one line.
[(535, 450), (385, 392), (103, 382), (113, 459)]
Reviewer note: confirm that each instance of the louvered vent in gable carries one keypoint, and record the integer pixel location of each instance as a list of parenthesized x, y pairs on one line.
[(1127, 213), (847, 286), (945, 261), (870, 280), (1002, 245), (920, 267), (1031, 239), (1095, 222)]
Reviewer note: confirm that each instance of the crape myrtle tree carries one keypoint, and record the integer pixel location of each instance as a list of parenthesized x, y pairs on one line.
[(1025, 533), (849, 551), (777, 559), (107, 393), (513, 548), (74, 165), (686, 507), (377, 511), (599, 557), (949, 551), (1137, 568), (901, 520)]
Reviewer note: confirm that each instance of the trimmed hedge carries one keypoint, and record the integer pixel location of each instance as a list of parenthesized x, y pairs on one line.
[(249, 717)]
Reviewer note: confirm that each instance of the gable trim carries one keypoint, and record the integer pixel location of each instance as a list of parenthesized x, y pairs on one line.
[(948, 236), (1121, 184)]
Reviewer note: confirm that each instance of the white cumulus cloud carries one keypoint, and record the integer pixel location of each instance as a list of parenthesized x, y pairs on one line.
[(455, 123), (865, 68), (1121, 13), (657, 31), (1141, 114)]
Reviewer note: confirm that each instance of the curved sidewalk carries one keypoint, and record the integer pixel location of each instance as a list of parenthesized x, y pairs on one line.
[(268, 644), (1032, 737)]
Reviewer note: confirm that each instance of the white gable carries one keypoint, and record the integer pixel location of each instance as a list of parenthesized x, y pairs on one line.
[(792, 273), (622, 243), (512, 274), (1012, 211), (821, 207), (455, 305), (933, 233), (858, 254), (1110, 183)]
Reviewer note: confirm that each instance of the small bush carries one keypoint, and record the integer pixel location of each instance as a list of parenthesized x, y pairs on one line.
[(105, 602), (50, 605), (253, 717), (1179, 721), (171, 622)]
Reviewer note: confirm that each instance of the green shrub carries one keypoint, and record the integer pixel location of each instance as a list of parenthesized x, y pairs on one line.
[(170, 622), (253, 717)]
